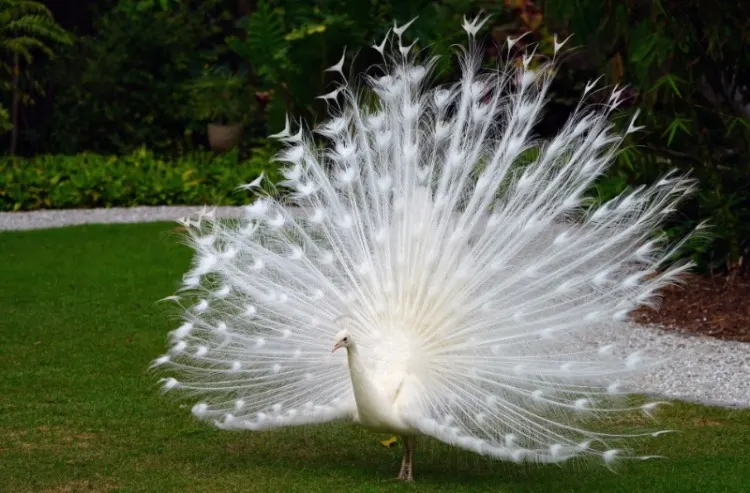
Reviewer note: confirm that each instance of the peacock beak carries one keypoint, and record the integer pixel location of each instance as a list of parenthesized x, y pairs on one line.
[(337, 346)]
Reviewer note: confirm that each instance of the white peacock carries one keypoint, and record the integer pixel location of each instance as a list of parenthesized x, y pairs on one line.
[(455, 251)]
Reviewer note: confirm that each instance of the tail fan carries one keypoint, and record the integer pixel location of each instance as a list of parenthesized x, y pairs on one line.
[(459, 250)]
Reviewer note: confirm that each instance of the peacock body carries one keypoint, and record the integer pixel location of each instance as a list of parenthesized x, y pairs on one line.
[(447, 252)]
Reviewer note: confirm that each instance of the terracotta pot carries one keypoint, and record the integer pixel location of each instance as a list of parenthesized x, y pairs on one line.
[(222, 138)]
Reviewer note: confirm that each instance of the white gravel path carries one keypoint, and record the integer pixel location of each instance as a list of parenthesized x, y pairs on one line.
[(70, 217), (699, 369)]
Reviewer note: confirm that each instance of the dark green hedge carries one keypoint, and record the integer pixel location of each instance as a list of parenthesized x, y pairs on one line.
[(140, 178)]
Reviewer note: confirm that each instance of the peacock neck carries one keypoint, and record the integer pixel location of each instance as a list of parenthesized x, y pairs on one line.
[(374, 409), (364, 390), (356, 369)]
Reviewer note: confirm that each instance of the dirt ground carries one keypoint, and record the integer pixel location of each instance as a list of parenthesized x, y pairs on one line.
[(712, 306)]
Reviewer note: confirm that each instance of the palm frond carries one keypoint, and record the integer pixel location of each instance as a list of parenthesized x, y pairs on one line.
[(28, 26)]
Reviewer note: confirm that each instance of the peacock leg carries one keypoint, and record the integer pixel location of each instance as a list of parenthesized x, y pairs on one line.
[(407, 463)]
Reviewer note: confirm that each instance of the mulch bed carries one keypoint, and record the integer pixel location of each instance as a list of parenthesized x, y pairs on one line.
[(703, 305)]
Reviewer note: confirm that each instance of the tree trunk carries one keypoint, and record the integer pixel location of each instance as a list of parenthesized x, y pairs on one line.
[(246, 8), (15, 104)]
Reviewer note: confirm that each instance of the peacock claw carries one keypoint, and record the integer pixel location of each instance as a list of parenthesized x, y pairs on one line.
[(406, 477)]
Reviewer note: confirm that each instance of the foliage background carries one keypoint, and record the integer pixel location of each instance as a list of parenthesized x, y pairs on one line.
[(123, 85)]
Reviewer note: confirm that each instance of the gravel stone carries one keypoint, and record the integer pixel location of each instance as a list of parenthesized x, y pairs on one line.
[(69, 217), (698, 369), (695, 368)]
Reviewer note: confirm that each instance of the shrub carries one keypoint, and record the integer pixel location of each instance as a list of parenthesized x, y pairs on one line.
[(140, 178), (5, 124), (218, 95), (121, 87), (686, 68), (289, 43)]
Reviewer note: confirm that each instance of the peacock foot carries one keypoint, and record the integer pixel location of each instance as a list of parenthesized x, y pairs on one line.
[(407, 469)]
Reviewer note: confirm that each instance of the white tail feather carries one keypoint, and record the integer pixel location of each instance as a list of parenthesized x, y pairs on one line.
[(456, 249)]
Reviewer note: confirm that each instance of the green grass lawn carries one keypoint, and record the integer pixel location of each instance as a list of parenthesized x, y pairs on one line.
[(79, 324)]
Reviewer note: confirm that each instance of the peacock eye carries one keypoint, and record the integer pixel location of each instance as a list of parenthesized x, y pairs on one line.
[(345, 339)]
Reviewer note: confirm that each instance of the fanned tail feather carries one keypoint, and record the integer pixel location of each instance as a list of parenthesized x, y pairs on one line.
[(459, 252)]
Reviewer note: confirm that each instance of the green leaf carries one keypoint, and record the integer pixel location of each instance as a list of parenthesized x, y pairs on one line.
[(678, 124), (669, 79), (734, 121)]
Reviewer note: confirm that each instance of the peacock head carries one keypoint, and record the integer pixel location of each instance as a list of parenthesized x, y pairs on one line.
[(343, 339)]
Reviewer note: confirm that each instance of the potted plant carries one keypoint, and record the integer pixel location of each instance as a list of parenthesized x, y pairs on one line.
[(223, 100)]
